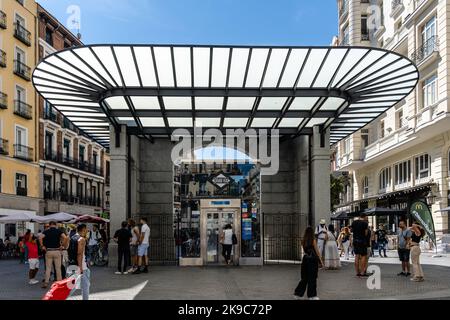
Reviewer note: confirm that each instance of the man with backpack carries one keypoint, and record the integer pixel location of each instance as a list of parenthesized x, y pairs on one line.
[(77, 259)]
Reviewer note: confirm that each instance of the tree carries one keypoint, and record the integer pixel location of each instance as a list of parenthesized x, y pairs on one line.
[(337, 186)]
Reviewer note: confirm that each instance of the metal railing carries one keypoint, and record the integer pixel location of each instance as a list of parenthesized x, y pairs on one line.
[(3, 100), (23, 109), (22, 34), (50, 116), (2, 58), (70, 162), (22, 192), (427, 49), (23, 152), (4, 146), (395, 4), (3, 23), (365, 37), (22, 70)]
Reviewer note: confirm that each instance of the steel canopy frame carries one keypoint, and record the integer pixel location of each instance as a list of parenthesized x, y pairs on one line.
[(155, 89)]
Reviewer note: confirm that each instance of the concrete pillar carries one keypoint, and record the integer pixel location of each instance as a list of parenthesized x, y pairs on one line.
[(119, 178), (320, 176)]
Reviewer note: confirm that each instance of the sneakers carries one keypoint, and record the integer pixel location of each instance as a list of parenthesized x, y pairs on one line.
[(131, 270), (407, 274), (118, 272), (401, 274), (314, 298), (33, 282), (297, 297), (417, 279), (126, 272)]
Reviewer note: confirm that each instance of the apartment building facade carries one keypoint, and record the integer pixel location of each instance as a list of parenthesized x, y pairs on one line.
[(404, 155), (19, 168), (72, 165)]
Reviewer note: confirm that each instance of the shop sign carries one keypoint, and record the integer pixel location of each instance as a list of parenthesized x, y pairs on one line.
[(421, 212), (246, 229), (220, 180)]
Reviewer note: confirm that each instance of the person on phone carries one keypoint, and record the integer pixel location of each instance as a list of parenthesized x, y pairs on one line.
[(414, 244), (311, 261)]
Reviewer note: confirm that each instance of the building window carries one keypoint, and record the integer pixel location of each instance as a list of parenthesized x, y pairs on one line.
[(422, 164), (382, 129), (364, 28), (95, 160), (21, 184), (448, 163), (365, 186), (47, 187), (346, 37), (401, 121), (21, 136), (82, 152), (66, 149), (347, 146), (64, 189), (403, 172), (80, 191), (429, 31), (364, 138), (48, 145), (429, 91), (1, 181), (49, 36), (385, 179)]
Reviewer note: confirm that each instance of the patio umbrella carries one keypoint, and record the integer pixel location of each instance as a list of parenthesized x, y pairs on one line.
[(58, 217), (340, 216), (16, 217), (377, 211), (90, 219)]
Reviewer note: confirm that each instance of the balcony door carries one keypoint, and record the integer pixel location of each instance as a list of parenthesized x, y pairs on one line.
[(20, 94), (21, 184), (429, 30), (21, 136), (20, 55), (48, 145)]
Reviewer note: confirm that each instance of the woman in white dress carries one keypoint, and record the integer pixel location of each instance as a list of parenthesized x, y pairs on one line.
[(332, 260)]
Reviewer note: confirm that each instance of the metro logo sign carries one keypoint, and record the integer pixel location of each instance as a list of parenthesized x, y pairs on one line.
[(221, 180)]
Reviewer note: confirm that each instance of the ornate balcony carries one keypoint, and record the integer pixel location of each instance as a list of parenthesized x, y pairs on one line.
[(427, 49), (3, 100), (396, 7), (22, 70), (22, 34), (23, 110), (23, 152), (3, 23), (4, 147), (2, 58)]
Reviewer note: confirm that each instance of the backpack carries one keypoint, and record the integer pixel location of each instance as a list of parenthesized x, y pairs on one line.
[(234, 239), (72, 251)]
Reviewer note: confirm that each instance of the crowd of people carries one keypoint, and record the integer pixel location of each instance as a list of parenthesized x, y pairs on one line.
[(321, 250)]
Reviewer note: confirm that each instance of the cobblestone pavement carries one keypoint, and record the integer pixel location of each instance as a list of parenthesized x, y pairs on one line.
[(242, 283)]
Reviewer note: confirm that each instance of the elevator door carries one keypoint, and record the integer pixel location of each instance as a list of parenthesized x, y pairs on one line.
[(215, 223)]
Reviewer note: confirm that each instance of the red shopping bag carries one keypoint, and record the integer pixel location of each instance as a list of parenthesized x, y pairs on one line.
[(60, 290)]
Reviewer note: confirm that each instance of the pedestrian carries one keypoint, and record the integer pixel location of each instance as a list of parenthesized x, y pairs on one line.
[(226, 239), (344, 240), (77, 257), (105, 240), (372, 241), (381, 239), (33, 258), (123, 237), (404, 236), (417, 234), (321, 234), (93, 238), (73, 230), (360, 229), (53, 241), (310, 266), (143, 247), (135, 233), (332, 261), (369, 246), (64, 254)]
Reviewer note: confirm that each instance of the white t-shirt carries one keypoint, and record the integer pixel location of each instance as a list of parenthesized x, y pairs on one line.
[(145, 230), (228, 236), (134, 238), (94, 237)]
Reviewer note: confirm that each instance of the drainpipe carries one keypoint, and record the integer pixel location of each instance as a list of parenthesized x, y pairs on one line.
[(129, 176), (310, 198)]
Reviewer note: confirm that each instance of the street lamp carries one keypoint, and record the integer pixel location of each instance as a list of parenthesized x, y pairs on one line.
[(430, 198)]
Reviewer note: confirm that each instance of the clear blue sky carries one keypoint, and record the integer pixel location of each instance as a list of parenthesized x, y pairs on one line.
[(251, 22)]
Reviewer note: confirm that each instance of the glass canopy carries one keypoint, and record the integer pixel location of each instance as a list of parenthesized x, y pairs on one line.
[(155, 89)]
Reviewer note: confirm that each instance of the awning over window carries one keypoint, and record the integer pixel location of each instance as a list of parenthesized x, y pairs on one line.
[(155, 89)]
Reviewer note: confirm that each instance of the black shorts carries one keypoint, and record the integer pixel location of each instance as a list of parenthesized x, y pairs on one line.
[(360, 248), (403, 255)]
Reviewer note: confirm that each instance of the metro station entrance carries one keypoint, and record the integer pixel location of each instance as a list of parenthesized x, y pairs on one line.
[(215, 215)]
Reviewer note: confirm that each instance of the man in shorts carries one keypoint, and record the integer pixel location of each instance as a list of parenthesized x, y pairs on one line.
[(135, 233), (404, 234), (144, 243), (360, 229), (33, 258)]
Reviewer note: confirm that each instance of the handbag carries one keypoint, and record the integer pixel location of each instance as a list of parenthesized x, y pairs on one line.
[(234, 239)]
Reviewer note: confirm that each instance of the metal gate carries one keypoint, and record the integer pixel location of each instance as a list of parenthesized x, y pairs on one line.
[(282, 240)]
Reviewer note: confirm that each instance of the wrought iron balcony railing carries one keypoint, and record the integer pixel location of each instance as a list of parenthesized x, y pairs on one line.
[(22, 70), (427, 49), (3, 23), (50, 116), (395, 4), (365, 37), (23, 152), (23, 110), (70, 162), (22, 34), (3, 100), (4, 147), (2, 58)]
